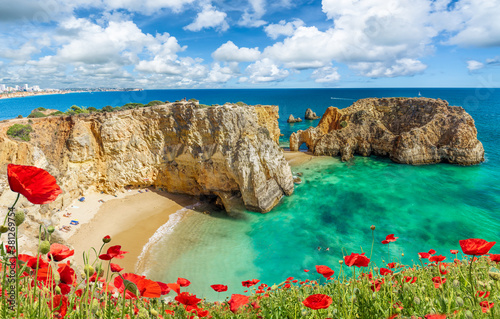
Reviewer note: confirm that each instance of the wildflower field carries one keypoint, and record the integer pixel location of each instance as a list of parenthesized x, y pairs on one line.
[(463, 285)]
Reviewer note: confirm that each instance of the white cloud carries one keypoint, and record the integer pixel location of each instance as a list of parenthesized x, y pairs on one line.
[(252, 16), (209, 18), (325, 75), (148, 7), (265, 70), (282, 28), (473, 65), (219, 74), (402, 67), (478, 25), (230, 52)]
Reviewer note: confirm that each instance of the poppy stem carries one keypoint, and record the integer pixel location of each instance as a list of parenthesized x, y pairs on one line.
[(470, 278), (373, 241)]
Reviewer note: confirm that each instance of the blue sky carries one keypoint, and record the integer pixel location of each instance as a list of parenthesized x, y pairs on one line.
[(250, 43)]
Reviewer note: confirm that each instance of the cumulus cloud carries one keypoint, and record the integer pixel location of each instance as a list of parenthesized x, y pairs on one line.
[(325, 75), (229, 52), (265, 70), (402, 67), (282, 28), (478, 23), (473, 65), (209, 18), (252, 15)]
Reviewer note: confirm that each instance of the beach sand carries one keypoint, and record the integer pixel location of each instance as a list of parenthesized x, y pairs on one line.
[(130, 219)]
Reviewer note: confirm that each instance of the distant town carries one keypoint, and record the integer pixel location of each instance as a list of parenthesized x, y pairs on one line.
[(26, 90)]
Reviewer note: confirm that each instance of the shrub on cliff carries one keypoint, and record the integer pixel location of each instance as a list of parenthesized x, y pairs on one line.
[(36, 115), (153, 103), (130, 106), (20, 131), (56, 113), (74, 109)]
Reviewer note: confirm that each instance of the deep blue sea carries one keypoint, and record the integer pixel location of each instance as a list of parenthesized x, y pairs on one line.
[(431, 206)]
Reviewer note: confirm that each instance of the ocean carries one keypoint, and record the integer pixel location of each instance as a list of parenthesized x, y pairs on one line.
[(431, 206)]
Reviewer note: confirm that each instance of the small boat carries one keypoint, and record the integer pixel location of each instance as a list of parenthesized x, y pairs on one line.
[(419, 94)]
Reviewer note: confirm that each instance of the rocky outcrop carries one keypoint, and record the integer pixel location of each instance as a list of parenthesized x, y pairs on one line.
[(310, 115), (292, 119), (227, 151), (407, 130)]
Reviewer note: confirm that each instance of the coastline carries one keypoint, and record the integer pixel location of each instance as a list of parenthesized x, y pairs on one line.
[(127, 219), (130, 222)]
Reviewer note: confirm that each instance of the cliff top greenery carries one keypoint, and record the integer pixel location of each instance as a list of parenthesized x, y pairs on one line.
[(20, 131)]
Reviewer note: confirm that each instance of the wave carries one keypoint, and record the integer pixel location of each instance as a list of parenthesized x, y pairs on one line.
[(164, 230), (342, 98)]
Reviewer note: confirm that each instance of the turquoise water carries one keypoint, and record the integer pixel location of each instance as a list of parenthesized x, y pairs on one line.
[(425, 206)]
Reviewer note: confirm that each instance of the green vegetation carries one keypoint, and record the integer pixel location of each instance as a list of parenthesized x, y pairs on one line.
[(36, 114), (19, 116), (73, 110), (153, 103), (343, 124), (41, 109), (20, 131), (56, 113), (193, 100), (241, 103)]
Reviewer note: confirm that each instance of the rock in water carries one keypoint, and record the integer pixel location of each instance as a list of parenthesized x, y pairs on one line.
[(291, 119), (310, 115), (407, 130), (229, 151)]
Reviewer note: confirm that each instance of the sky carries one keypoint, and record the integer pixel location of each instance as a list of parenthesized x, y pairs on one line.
[(168, 44)]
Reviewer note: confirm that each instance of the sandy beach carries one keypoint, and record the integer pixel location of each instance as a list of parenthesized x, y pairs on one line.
[(130, 219)]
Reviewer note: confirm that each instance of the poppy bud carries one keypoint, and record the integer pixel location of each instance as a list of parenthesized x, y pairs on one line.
[(372, 227), (460, 301), (50, 229), (274, 287), (494, 275), (468, 314), (88, 270), (154, 313), (456, 283), (143, 314), (4, 229), (44, 247), (58, 290), (106, 239), (416, 300), (341, 262), (19, 217)]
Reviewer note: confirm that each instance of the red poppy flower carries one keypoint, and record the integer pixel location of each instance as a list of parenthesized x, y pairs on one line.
[(306, 270), (187, 299), (475, 246), (31, 261), (66, 273), (59, 305), (376, 285), (410, 279), (146, 288), (453, 251), (357, 260), (250, 283), (60, 252), (115, 267), (34, 183), (317, 301), (324, 270), (384, 271), (483, 294), (485, 305), (435, 317), (389, 239), (175, 287), (219, 288), (237, 301), (438, 281), (495, 258), (106, 239), (165, 289), (391, 265), (113, 252), (437, 258), (183, 282)]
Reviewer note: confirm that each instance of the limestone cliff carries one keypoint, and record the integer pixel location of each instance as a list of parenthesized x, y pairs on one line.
[(407, 130), (228, 151)]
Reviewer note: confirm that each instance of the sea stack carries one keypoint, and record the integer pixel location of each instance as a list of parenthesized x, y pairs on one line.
[(291, 119), (227, 151), (407, 130), (310, 115)]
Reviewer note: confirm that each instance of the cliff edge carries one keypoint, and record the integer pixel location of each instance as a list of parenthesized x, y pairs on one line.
[(407, 130), (227, 151)]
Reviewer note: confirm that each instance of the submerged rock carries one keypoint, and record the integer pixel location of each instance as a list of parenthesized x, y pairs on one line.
[(310, 115), (291, 119), (407, 130)]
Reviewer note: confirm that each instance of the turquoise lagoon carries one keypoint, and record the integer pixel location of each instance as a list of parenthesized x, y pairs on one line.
[(432, 206)]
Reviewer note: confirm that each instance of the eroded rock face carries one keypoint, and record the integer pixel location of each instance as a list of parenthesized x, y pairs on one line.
[(407, 130), (229, 151), (292, 119), (310, 115)]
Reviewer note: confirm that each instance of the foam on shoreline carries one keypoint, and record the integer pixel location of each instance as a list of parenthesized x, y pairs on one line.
[(163, 231)]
